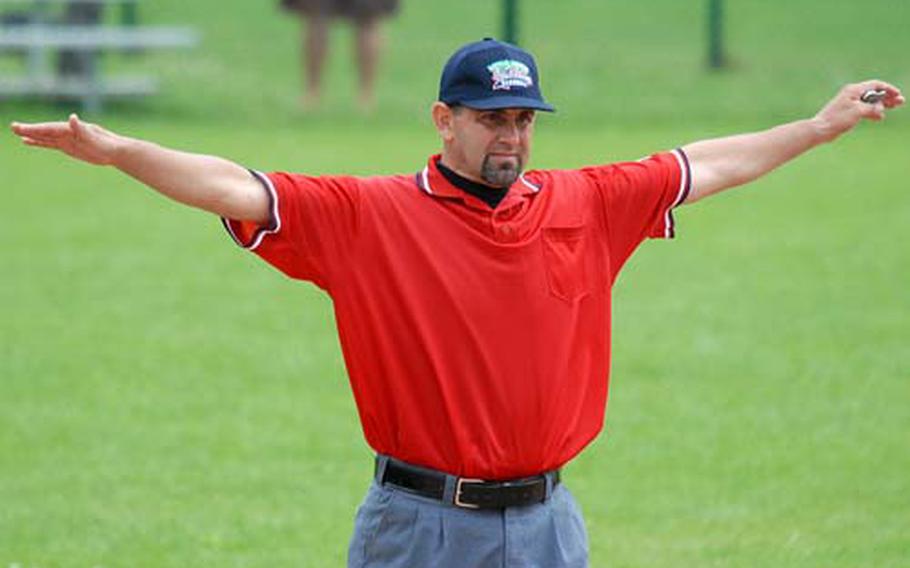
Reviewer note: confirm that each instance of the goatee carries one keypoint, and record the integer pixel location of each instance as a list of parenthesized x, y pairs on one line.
[(503, 175)]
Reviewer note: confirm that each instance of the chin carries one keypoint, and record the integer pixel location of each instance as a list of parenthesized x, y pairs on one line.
[(500, 177), (500, 171)]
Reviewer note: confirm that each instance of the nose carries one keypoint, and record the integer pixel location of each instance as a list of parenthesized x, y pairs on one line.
[(510, 133)]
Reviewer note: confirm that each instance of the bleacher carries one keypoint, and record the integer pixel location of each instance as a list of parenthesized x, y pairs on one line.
[(61, 44)]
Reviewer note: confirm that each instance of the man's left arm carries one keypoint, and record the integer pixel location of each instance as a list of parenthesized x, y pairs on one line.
[(723, 163)]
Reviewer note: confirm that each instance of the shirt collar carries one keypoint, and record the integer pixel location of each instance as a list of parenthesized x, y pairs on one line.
[(432, 182)]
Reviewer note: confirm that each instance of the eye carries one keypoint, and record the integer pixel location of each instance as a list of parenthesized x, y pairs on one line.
[(492, 118)]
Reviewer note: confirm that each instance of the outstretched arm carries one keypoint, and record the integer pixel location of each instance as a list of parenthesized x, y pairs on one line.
[(207, 182), (723, 163)]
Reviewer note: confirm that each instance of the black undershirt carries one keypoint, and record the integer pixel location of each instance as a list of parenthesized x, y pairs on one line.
[(488, 194)]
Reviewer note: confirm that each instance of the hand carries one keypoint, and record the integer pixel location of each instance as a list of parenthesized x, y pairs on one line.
[(81, 140), (846, 109)]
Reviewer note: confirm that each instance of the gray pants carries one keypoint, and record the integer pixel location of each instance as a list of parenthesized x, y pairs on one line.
[(396, 529)]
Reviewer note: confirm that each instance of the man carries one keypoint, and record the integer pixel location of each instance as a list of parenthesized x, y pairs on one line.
[(472, 299)]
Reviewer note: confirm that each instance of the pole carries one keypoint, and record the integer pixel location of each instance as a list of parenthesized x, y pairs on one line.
[(129, 13), (716, 58), (510, 22)]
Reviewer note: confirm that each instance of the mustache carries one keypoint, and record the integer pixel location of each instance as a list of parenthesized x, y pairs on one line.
[(505, 164)]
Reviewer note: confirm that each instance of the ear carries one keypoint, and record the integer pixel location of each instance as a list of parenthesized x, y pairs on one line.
[(444, 119)]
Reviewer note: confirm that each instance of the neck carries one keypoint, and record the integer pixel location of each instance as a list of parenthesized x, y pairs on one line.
[(492, 196)]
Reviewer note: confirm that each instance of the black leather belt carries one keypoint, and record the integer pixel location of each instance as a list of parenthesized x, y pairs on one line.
[(465, 492)]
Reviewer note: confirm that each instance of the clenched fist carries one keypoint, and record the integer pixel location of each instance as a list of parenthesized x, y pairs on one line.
[(846, 109)]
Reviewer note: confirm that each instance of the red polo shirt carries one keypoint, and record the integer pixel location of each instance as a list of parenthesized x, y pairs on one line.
[(477, 341)]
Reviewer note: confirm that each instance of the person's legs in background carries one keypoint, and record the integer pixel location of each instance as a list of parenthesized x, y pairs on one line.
[(369, 42), (315, 48), (366, 18)]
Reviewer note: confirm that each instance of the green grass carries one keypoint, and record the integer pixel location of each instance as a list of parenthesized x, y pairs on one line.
[(166, 400)]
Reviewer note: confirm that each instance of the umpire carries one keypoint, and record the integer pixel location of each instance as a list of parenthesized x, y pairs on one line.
[(472, 298)]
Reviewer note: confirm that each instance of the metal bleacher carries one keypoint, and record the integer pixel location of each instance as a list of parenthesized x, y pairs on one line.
[(61, 43)]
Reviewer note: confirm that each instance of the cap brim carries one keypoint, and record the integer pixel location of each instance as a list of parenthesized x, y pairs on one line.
[(493, 103)]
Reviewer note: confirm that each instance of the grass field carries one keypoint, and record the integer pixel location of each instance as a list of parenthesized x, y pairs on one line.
[(167, 400)]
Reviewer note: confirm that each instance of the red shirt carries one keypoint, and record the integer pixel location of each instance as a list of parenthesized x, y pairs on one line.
[(477, 341)]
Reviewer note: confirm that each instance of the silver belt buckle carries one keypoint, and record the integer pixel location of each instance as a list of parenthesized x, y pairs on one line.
[(458, 502)]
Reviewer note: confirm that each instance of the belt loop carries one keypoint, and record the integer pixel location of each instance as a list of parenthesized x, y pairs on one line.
[(381, 462), (551, 478), (448, 494)]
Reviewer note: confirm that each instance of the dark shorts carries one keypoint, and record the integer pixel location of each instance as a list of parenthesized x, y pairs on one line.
[(351, 9)]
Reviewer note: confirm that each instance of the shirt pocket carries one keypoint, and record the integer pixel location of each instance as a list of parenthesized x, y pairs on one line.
[(564, 254)]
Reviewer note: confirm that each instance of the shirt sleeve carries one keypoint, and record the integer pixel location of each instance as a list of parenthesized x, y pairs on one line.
[(312, 227), (638, 199)]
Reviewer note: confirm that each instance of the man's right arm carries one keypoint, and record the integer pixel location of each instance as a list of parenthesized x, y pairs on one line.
[(206, 182)]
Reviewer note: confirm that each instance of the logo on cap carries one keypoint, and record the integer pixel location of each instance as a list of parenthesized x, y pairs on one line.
[(509, 73)]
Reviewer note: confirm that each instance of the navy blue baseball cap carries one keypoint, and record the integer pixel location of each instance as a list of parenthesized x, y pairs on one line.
[(490, 74)]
